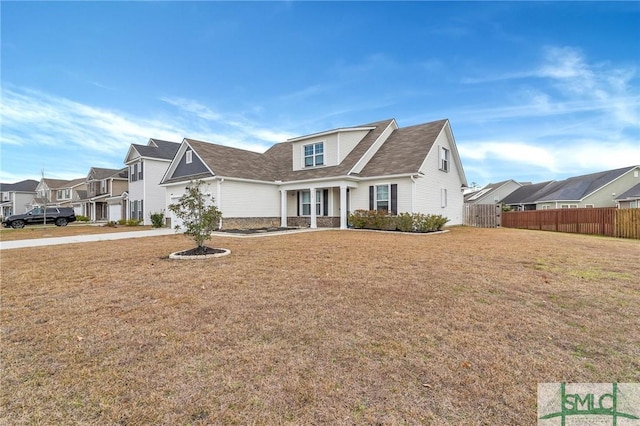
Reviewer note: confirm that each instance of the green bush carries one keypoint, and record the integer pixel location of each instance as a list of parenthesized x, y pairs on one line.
[(122, 222), (404, 222), (81, 218), (133, 222), (157, 219)]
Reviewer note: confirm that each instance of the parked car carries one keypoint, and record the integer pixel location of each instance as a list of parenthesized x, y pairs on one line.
[(61, 216)]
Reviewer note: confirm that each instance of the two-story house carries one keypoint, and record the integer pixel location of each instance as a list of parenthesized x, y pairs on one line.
[(147, 165), (106, 195), (315, 180), (17, 198)]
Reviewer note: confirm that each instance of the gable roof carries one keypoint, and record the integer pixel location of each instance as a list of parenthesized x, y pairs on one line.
[(403, 152), (28, 185), (156, 148), (632, 194), (472, 196), (527, 194), (55, 183), (578, 187), (101, 173)]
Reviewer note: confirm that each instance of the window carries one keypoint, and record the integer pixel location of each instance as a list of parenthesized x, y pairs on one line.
[(444, 159), (64, 194), (140, 172), (443, 197), (305, 203), (314, 155), (588, 206), (545, 208), (188, 157), (133, 174), (382, 197)]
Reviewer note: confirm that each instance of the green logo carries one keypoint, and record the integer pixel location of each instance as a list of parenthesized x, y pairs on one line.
[(565, 404)]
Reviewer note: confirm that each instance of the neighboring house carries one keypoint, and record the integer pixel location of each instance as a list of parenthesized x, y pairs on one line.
[(58, 193), (106, 195), (16, 198), (524, 198), (46, 193), (492, 193), (592, 190), (147, 165), (629, 199), (315, 180)]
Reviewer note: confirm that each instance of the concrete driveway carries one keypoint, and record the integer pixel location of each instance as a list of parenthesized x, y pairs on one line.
[(7, 245)]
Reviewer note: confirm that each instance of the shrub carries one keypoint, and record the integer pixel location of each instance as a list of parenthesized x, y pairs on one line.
[(81, 218), (199, 217), (133, 222), (405, 222), (111, 224), (157, 219), (122, 222)]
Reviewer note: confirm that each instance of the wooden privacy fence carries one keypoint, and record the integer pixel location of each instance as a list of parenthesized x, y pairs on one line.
[(610, 221), (482, 215)]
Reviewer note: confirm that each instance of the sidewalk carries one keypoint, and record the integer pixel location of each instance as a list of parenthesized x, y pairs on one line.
[(7, 245)]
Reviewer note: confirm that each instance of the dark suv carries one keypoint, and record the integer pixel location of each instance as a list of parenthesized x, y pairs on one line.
[(58, 215)]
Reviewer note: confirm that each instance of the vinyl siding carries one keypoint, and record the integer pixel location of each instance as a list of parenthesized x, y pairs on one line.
[(360, 195), (429, 187), (247, 199)]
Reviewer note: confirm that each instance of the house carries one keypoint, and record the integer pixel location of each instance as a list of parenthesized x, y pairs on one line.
[(16, 198), (106, 195), (492, 193), (315, 180), (57, 192), (524, 198), (629, 199), (147, 165), (592, 190)]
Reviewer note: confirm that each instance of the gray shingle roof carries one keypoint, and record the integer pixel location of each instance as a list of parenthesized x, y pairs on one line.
[(160, 149), (28, 185), (633, 193), (578, 187), (403, 152), (484, 190), (527, 194), (101, 173)]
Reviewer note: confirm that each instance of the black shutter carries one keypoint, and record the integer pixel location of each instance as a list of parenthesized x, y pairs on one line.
[(325, 202), (394, 198), (298, 204), (371, 189)]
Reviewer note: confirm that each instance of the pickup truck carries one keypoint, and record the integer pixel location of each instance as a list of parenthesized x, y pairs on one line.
[(61, 216)]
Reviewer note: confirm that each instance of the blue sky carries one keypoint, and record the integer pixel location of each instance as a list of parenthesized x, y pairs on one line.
[(534, 91)]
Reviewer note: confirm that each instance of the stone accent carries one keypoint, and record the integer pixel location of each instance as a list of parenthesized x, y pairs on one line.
[(250, 222), (321, 221)]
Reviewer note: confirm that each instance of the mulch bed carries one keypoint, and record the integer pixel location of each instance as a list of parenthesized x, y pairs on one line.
[(200, 251), (255, 230)]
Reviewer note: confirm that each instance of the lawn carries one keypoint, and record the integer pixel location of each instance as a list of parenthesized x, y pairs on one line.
[(334, 327), (49, 231)]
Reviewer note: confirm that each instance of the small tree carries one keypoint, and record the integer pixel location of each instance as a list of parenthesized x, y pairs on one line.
[(199, 217)]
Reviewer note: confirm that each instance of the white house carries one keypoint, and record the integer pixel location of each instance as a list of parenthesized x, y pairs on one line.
[(147, 165), (16, 198), (315, 180)]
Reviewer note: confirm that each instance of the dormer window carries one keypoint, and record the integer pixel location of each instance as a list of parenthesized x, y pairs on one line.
[(188, 157), (314, 154)]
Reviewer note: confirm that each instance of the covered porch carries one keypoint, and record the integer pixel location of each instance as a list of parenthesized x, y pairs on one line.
[(326, 204)]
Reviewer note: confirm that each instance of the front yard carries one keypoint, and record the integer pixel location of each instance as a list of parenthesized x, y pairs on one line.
[(333, 327)]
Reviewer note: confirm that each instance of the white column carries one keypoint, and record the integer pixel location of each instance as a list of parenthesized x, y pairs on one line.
[(314, 219), (343, 207), (283, 208)]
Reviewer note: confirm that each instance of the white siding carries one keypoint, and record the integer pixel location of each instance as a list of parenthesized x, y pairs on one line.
[(360, 195), (115, 212), (154, 195), (247, 199), (336, 147), (429, 187)]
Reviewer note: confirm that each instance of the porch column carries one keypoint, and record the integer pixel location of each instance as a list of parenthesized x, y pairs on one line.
[(283, 208), (314, 219), (343, 206)]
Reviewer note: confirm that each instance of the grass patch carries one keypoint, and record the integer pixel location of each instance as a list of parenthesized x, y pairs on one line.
[(334, 327)]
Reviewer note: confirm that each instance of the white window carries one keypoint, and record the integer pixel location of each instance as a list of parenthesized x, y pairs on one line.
[(133, 173), (573, 206), (588, 206), (140, 172), (64, 194), (381, 200), (545, 207), (443, 197), (314, 154), (188, 157), (444, 159), (305, 203)]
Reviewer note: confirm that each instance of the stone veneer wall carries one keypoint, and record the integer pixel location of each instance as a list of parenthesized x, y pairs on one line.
[(274, 222)]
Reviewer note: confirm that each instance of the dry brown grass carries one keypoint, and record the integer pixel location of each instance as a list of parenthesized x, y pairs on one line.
[(50, 231), (334, 327)]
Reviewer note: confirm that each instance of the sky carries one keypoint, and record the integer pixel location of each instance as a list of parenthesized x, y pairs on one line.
[(534, 91)]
